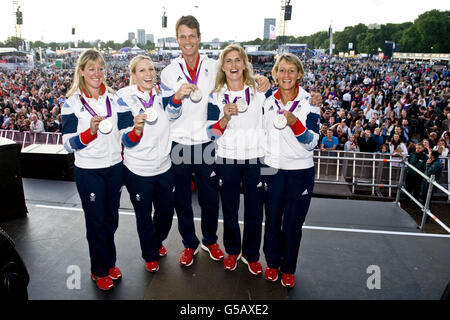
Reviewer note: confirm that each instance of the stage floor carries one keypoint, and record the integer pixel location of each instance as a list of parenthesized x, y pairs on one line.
[(342, 241)]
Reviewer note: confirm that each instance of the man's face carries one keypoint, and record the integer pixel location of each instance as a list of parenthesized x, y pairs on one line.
[(188, 40)]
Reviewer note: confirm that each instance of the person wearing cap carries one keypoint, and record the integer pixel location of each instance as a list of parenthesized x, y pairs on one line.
[(148, 173), (188, 81), (239, 147), (291, 121), (92, 118)]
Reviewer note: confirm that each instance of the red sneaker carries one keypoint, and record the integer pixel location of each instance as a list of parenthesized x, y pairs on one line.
[(271, 274), (214, 251), (254, 267), (230, 262), (103, 283), (152, 266), (115, 273), (287, 280), (187, 256), (162, 251)]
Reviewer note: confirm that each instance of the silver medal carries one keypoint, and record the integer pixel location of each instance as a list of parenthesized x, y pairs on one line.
[(196, 95), (152, 115), (105, 126), (242, 105), (280, 121)]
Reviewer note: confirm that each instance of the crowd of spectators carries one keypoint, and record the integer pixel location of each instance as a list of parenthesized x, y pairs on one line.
[(368, 105), (381, 106)]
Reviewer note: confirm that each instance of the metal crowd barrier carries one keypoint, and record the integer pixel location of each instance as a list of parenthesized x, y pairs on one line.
[(26, 138), (426, 206), (365, 173)]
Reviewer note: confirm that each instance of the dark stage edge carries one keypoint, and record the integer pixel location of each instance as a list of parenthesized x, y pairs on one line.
[(341, 240)]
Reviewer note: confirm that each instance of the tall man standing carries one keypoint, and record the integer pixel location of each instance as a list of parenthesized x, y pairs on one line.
[(189, 80)]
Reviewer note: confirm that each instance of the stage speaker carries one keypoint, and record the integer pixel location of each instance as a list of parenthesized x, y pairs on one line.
[(287, 12), (388, 49), (14, 277), (51, 162), (11, 187), (164, 21)]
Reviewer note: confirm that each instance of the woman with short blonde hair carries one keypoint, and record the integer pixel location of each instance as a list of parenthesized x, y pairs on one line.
[(291, 120)]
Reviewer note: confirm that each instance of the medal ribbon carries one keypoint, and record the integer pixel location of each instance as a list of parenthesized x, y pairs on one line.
[(148, 104), (196, 75), (92, 112), (281, 111), (247, 97)]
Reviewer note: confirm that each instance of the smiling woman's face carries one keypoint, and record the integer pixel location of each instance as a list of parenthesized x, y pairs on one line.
[(287, 75), (145, 75), (233, 66)]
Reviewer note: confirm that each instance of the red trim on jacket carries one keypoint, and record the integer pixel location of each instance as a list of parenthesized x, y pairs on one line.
[(87, 137), (134, 137)]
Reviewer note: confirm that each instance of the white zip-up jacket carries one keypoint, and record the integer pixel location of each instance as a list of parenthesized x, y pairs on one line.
[(243, 137), (291, 148), (100, 151), (150, 154), (190, 127)]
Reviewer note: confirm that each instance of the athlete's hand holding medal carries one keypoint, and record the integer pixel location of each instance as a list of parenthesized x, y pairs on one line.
[(229, 110), (95, 123), (98, 123), (287, 118), (189, 89), (139, 123)]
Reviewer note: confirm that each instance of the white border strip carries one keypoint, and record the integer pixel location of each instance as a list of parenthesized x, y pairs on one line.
[(418, 234)]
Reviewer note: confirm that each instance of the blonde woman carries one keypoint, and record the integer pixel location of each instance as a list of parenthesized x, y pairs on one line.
[(92, 118), (239, 150), (291, 120), (148, 172)]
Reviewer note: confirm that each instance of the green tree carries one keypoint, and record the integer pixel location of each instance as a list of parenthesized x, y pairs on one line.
[(433, 28), (126, 43), (411, 40)]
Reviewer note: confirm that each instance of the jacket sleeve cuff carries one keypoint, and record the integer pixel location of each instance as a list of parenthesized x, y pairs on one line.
[(217, 129), (134, 137), (86, 137), (298, 128), (176, 102)]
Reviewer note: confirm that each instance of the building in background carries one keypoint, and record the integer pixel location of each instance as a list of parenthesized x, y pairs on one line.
[(169, 43), (269, 28), (149, 37), (141, 36), (131, 36)]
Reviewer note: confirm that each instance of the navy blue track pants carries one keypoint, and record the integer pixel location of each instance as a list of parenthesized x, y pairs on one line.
[(288, 198), (145, 191), (197, 159), (99, 191), (231, 174)]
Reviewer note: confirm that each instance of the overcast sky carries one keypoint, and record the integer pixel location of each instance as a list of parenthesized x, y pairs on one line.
[(239, 20)]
